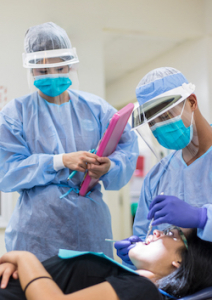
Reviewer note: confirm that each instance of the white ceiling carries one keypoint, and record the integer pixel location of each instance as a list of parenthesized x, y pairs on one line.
[(139, 31), (133, 33), (126, 51)]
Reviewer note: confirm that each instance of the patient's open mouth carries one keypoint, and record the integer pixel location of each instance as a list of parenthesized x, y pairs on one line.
[(149, 240)]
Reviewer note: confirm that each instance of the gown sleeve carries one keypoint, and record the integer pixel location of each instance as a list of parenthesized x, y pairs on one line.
[(205, 233), (141, 222), (19, 168)]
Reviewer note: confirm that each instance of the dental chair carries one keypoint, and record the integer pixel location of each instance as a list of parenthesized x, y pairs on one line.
[(201, 295)]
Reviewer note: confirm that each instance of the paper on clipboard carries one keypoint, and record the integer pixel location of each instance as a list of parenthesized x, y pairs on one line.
[(109, 142)]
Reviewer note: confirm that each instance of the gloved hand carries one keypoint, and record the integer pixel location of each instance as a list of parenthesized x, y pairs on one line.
[(172, 210), (124, 246)]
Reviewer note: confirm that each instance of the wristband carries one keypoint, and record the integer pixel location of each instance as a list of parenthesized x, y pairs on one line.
[(34, 280)]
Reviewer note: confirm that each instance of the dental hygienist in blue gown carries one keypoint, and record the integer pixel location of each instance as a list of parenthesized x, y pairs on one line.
[(178, 189), (46, 135)]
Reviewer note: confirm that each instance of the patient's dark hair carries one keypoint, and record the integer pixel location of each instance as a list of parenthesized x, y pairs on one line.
[(195, 271)]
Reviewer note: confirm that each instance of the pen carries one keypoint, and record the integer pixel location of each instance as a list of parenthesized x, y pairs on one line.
[(71, 175)]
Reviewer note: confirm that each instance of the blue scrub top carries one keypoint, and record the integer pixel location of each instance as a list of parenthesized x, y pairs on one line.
[(172, 176)]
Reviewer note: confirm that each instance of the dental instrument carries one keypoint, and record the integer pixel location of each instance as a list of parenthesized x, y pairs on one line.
[(114, 241), (150, 226)]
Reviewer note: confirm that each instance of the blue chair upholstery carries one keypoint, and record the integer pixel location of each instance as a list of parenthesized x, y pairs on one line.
[(201, 295)]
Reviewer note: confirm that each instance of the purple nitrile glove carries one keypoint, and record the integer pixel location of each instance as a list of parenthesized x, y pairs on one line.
[(124, 246), (172, 210)]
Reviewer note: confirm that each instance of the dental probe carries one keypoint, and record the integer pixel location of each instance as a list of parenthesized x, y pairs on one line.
[(150, 226), (114, 241)]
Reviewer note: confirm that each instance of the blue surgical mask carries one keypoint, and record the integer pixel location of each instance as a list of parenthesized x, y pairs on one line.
[(173, 134), (52, 84)]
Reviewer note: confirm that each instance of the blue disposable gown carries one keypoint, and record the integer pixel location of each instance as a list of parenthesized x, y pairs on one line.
[(32, 131), (192, 184)]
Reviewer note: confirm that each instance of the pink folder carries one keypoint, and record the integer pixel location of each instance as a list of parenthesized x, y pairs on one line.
[(109, 142)]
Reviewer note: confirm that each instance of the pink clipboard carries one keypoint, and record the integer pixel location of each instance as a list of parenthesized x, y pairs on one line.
[(109, 142)]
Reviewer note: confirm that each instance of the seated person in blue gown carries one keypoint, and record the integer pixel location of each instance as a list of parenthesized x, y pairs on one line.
[(174, 260), (177, 190)]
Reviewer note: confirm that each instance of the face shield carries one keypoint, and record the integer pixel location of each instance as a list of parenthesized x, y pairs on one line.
[(165, 123), (52, 71)]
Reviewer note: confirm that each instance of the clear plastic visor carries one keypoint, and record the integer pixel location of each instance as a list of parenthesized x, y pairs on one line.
[(160, 104), (172, 129), (60, 70), (66, 71), (50, 58), (152, 109)]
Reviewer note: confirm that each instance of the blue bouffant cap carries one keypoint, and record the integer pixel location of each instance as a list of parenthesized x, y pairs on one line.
[(158, 82)]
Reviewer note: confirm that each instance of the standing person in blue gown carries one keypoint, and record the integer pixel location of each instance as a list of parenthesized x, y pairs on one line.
[(46, 135), (178, 189)]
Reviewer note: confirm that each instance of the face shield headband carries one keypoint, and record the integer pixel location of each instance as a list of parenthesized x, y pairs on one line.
[(41, 59)]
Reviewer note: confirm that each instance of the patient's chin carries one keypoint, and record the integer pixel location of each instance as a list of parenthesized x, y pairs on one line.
[(134, 257)]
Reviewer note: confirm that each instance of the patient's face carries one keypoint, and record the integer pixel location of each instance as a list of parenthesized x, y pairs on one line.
[(159, 253)]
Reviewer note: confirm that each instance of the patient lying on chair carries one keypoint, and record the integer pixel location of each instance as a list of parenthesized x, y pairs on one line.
[(174, 260)]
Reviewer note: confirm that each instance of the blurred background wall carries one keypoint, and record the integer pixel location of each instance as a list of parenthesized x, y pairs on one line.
[(117, 42)]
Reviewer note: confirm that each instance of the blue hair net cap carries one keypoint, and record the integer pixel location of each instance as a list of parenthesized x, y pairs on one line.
[(158, 82)]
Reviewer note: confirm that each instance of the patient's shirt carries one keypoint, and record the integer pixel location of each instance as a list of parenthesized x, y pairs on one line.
[(80, 272), (83, 271)]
